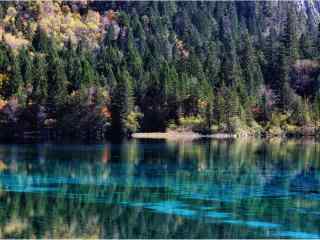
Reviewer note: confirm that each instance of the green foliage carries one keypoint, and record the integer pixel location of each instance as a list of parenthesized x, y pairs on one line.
[(192, 123), (203, 67), (78, 119), (121, 104), (301, 113), (132, 122), (40, 40), (39, 81)]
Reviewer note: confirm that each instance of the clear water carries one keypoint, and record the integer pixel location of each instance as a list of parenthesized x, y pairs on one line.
[(158, 189)]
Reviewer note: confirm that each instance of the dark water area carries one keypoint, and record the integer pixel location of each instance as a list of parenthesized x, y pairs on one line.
[(159, 189)]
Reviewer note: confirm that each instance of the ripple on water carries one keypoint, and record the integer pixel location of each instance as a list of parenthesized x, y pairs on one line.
[(254, 224), (215, 214), (171, 207), (296, 234), (29, 189)]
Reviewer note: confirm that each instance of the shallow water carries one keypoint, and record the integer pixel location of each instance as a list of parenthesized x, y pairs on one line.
[(158, 189)]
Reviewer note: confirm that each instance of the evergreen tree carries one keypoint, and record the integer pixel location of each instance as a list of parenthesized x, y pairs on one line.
[(26, 65), (212, 65), (39, 80), (15, 81), (57, 83), (306, 47), (89, 76), (283, 86), (251, 68), (40, 40), (271, 55), (4, 57), (289, 37), (288, 54), (121, 103), (73, 67)]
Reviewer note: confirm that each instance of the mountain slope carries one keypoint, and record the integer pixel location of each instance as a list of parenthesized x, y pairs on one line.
[(236, 66)]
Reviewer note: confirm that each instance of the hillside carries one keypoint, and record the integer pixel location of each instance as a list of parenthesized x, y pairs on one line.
[(96, 69)]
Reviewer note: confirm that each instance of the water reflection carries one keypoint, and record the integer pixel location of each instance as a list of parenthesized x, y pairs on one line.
[(157, 189)]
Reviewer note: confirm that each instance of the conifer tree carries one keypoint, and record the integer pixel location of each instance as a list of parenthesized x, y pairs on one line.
[(26, 65), (306, 47), (40, 41), (39, 80), (289, 37), (57, 83), (16, 80), (288, 54), (121, 103), (212, 65), (89, 76), (271, 54), (251, 68)]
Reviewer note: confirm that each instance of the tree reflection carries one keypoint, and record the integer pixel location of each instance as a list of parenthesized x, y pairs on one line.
[(158, 189)]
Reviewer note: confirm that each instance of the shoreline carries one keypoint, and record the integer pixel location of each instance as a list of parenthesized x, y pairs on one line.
[(189, 136), (172, 135)]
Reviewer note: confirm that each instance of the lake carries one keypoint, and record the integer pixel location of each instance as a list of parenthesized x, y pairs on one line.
[(159, 189)]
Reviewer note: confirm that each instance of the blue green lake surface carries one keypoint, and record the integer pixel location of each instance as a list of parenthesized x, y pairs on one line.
[(159, 189)]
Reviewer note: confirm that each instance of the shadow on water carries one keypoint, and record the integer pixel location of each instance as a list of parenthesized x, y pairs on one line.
[(159, 189)]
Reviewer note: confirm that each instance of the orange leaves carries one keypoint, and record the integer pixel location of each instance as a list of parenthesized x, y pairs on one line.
[(112, 15), (105, 112), (59, 21), (3, 103)]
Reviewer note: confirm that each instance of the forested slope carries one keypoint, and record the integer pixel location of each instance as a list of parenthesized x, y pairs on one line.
[(100, 69)]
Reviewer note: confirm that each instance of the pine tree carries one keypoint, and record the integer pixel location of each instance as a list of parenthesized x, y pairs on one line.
[(39, 80), (289, 38), (4, 57), (271, 54), (121, 103), (40, 41), (231, 72), (26, 65), (212, 65), (57, 83), (306, 47), (288, 54), (318, 41), (89, 76), (283, 89), (251, 69), (73, 68), (209, 116), (219, 111), (109, 39), (16, 81)]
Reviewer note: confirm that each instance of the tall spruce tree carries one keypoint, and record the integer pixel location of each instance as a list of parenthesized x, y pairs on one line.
[(39, 80), (251, 69), (40, 40), (15, 81), (121, 103), (288, 54)]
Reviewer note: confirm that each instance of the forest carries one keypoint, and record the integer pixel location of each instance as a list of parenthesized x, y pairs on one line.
[(98, 70)]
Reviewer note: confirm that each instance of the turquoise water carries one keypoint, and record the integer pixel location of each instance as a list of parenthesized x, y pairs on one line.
[(158, 189)]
